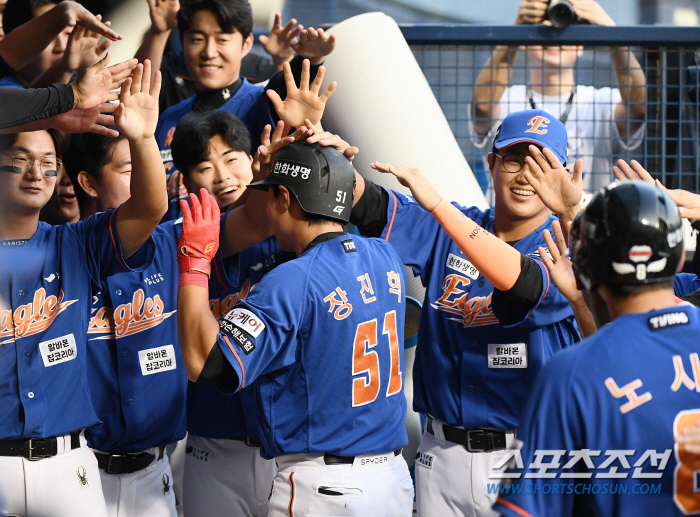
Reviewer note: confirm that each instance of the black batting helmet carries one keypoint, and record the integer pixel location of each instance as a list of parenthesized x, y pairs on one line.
[(320, 178), (631, 234)]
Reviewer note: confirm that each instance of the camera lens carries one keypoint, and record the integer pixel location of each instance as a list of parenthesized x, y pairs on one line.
[(561, 13)]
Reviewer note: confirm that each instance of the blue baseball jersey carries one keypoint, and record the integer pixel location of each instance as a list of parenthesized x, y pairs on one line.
[(211, 413), (685, 283), (249, 104), (10, 81), (616, 401), (321, 336), (46, 282), (135, 368), (470, 370)]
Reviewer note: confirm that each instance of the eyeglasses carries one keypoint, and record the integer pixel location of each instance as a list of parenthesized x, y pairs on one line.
[(22, 162), (512, 162)]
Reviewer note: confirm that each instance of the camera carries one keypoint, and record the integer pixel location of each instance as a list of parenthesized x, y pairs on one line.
[(561, 13)]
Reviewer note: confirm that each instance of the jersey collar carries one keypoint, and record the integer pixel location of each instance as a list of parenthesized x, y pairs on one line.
[(328, 236)]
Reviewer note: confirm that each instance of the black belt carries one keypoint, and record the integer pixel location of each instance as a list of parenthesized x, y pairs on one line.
[(332, 459), (474, 440), (126, 463), (36, 448), (250, 441)]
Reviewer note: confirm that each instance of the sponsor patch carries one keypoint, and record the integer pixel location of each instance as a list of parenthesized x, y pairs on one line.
[(462, 265), (508, 355), (349, 246), (295, 170), (246, 320), (424, 459), (238, 335), (156, 360), (166, 155), (58, 350), (670, 319)]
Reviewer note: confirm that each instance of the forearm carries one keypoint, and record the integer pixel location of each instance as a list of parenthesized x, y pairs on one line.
[(22, 45), (246, 225), (141, 213), (567, 219), (495, 259), (152, 48), (30, 110), (491, 82), (197, 328), (583, 315), (631, 82)]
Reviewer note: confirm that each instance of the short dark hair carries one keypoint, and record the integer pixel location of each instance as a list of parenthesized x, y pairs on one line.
[(19, 12), (190, 145), (311, 219), (231, 15), (88, 152), (60, 141)]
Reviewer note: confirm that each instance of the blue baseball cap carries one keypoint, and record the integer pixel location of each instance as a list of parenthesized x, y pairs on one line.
[(536, 126)]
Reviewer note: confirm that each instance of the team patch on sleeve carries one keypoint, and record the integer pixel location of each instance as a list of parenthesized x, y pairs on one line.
[(238, 335), (670, 319), (246, 320)]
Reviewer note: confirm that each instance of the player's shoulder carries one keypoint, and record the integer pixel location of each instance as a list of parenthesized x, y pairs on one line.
[(168, 231)]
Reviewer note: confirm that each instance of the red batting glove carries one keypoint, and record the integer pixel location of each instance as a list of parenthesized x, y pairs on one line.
[(199, 239)]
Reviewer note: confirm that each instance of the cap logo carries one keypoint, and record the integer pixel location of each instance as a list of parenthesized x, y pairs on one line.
[(537, 125)]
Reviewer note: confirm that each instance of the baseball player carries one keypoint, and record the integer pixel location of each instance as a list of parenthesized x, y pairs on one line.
[(46, 467), (133, 320), (322, 336), (211, 151), (609, 409), (485, 331), (213, 53)]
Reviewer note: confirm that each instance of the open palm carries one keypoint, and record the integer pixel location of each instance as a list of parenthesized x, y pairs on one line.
[(137, 114), (304, 102), (560, 191)]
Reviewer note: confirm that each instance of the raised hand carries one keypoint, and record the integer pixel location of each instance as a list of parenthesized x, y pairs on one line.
[(560, 267), (623, 171), (76, 14), (314, 44), (95, 84), (199, 239), (137, 114), (326, 138), (279, 42), (592, 12), (559, 191), (422, 190), (304, 102), (163, 14), (688, 203), (90, 120), (82, 49)]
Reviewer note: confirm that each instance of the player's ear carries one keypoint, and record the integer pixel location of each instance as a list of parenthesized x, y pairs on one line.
[(491, 158), (87, 183), (247, 45), (284, 200), (186, 182)]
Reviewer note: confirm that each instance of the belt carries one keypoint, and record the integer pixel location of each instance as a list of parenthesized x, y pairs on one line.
[(250, 441), (36, 448), (126, 463), (332, 459), (474, 440)]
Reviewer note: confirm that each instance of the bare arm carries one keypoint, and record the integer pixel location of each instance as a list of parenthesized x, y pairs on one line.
[(197, 328), (24, 43), (136, 117)]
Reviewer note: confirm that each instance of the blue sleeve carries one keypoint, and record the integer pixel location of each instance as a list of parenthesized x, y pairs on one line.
[(411, 231), (552, 306), (685, 283), (259, 335), (549, 423), (100, 242)]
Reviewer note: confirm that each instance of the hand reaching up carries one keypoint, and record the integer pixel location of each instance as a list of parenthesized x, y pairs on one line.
[(137, 114), (304, 102), (426, 195), (95, 84), (314, 45), (279, 42), (559, 190)]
